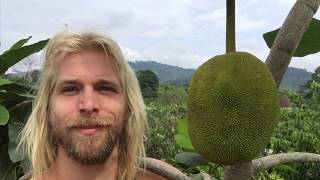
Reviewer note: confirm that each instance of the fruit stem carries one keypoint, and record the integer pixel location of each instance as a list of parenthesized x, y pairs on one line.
[(230, 26)]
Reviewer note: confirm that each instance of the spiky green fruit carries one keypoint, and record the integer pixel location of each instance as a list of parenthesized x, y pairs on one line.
[(233, 108)]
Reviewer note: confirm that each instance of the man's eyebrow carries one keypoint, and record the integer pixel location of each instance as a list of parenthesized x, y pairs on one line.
[(108, 82), (67, 82), (98, 82)]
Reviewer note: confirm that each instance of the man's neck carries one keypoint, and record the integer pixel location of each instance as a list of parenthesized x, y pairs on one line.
[(66, 168)]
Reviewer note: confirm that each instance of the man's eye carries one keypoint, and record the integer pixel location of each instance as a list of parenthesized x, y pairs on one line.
[(106, 89), (69, 90)]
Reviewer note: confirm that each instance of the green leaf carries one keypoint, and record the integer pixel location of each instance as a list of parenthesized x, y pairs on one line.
[(11, 99), (14, 130), (5, 81), (10, 173), (309, 44), (286, 168), (4, 115), (182, 138), (190, 159), (13, 87), (6, 164), (26, 166), (20, 43), (11, 57), (20, 112)]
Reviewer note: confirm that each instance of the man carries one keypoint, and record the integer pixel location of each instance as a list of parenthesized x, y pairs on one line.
[(88, 117)]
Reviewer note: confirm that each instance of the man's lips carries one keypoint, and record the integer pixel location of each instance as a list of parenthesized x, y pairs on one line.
[(90, 130)]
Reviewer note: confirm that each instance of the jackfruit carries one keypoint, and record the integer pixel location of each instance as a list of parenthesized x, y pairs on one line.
[(233, 108)]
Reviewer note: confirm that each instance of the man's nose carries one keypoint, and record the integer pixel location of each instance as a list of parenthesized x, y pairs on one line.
[(88, 102)]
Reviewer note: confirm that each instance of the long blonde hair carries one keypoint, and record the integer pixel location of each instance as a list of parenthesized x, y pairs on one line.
[(35, 139)]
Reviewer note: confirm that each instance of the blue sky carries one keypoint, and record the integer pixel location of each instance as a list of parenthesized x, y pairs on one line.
[(184, 33)]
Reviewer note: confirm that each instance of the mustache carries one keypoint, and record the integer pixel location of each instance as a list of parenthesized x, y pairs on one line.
[(83, 122)]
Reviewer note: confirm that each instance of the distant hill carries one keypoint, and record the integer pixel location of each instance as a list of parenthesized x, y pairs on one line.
[(294, 78), (168, 74)]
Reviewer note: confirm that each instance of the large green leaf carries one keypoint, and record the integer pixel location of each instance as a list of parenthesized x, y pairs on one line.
[(4, 115), (15, 87), (19, 105), (14, 130), (11, 99), (309, 44), (10, 173), (20, 43), (21, 112), (182, 138), (5, 81), (190, 159), (6, 166), (26, 166), (11, 57), (3, 135)]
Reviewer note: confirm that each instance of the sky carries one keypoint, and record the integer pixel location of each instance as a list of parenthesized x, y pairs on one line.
[(183, 33)]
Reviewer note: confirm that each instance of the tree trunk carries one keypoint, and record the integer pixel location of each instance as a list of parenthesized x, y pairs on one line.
[(241, 171), (289, 36)]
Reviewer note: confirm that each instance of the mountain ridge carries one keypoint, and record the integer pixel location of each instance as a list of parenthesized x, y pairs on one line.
[(169, 74), (175, 75)]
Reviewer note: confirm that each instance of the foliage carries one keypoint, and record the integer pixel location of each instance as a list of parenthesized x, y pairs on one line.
[(149, 83), (163, 114), (299, 131), (17, 52), (4, 115), (308, 89), (15, 99), (309, 44)]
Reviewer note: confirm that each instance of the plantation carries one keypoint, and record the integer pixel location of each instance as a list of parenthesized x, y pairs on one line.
[(297, 131)]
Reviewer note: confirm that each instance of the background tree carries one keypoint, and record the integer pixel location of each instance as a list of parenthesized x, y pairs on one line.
[(149, 83)]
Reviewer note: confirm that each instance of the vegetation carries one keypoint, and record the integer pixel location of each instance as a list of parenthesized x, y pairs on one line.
[(298, 131), (149, 83), (163, 114), (15, 105)]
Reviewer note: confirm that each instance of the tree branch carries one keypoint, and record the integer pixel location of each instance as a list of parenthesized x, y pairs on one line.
[(272, 160), (289, 36), (163, 169)]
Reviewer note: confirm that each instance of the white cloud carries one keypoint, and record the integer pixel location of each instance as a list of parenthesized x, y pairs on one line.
[(178, 32), (130, 54), (179, 56), (244, 23), (310, 62)]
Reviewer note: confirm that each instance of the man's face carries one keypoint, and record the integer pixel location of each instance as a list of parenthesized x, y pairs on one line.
[(87, 107)]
